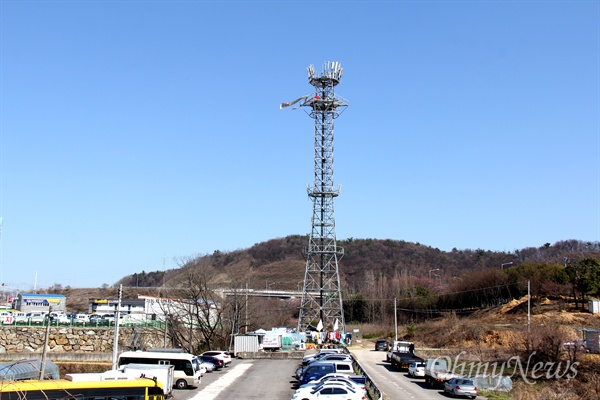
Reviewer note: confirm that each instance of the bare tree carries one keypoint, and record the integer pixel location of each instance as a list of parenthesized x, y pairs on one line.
[(195, 314)]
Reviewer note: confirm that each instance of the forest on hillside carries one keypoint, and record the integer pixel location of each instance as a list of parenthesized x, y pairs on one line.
[(425, 281)]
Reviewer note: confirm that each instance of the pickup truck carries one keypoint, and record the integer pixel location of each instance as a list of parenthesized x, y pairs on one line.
[(404, 356), (398, 345), (437, 372)]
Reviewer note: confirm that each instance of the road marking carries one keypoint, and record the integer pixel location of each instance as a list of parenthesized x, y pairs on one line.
[(211, 391)]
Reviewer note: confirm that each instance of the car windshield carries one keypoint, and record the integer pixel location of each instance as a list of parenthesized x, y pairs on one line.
[(464, 382), (195, 365)]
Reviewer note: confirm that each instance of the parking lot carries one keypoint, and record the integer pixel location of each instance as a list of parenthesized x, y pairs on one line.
[(245, 379), (274, 379)]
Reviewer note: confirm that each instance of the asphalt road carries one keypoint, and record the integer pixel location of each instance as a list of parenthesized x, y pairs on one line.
[(393, 384), (246, 379)]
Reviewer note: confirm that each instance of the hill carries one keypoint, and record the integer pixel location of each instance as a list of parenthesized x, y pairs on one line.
[(280, 263)]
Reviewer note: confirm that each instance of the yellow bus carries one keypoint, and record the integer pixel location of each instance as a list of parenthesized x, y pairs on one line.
[(62, 389)]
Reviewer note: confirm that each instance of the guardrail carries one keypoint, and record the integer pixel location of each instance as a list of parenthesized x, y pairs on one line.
[(372, 390)]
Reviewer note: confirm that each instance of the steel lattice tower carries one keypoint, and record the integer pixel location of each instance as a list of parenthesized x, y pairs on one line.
[(322, 296)]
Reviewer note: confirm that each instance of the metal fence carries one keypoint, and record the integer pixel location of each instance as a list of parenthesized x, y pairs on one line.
[(95, 324)]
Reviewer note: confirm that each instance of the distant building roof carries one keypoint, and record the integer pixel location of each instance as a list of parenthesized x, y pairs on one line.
[(42, 295)]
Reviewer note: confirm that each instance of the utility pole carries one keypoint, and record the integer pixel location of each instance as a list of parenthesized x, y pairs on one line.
[(395, 320), (116, 336), (43, 366)]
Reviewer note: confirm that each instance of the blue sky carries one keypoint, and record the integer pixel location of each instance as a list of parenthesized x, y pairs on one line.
[(134, 134)]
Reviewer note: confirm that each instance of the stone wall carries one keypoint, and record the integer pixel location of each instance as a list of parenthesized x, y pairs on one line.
[(29, 339)]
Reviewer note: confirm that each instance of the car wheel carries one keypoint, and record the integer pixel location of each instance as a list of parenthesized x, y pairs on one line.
[(181, 384)]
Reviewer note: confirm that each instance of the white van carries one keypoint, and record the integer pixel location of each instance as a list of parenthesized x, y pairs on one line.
[(81, 319), (187, 368)]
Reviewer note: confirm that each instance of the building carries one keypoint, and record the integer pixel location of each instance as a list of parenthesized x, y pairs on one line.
[(109, 306), (594, 306), (31, 302), (592, 340), (150, 308), (157, 308)]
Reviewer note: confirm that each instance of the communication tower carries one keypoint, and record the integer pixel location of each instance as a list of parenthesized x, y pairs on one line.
[(321, 304)]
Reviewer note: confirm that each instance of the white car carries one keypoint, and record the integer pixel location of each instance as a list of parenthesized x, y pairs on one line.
[(331, 378), (330, 391), (416, 370), (20, 317), (210, 367), (36, 318), (60, 319), (220, 354)]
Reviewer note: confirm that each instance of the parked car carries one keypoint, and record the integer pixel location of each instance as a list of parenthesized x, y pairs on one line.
[(318, 369), (330, 391), (20, 317), (382, 345), (218, 363), (309, 357), (59, 318), (327, 356), (81, 319), (210, 367), (96, 319), (36, 318), (345, 378), (460, 387), (220, 354), (110, 318), (416, 370)]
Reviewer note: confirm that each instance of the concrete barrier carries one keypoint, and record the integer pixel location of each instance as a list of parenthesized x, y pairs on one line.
[(272, 355)]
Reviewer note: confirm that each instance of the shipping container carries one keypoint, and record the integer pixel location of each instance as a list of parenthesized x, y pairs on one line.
[(245, 344)]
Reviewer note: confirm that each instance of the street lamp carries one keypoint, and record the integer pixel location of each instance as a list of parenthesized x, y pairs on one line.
[(431, 270), (508, 263)]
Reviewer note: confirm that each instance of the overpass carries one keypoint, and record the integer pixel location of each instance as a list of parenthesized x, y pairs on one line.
[(279, 294)]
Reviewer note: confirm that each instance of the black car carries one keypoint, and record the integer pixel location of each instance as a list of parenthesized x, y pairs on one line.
[(381, 344), (218, 363)]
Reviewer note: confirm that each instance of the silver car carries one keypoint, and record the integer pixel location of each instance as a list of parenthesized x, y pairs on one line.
[(460, 387), (210, 367)]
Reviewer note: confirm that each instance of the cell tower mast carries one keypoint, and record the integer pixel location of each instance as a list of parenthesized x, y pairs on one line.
[(321, 304)]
